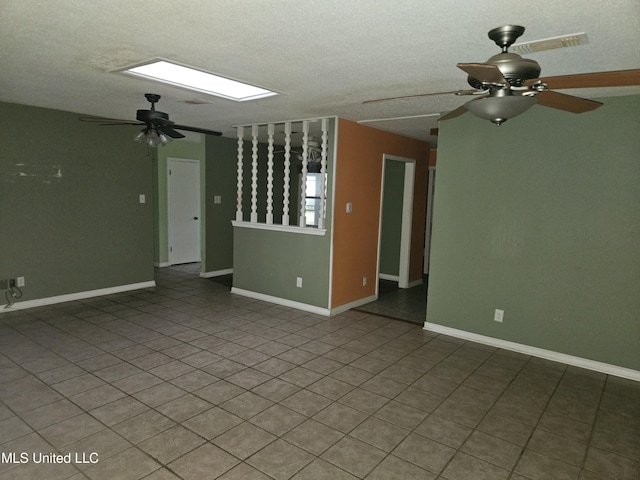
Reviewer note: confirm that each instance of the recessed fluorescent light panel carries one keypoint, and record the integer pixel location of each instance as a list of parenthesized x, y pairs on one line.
[(186, 77)]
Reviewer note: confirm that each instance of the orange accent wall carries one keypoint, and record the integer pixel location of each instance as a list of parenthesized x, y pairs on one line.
[(359, 180)]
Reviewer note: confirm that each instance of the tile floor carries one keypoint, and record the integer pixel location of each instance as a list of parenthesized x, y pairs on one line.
[(409, 304), (188, 381)]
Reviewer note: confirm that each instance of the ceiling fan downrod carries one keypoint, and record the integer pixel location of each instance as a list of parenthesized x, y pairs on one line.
[(506, 35), (152, 98)]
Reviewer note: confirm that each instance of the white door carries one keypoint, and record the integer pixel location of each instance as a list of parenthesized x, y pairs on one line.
[(183, 210)]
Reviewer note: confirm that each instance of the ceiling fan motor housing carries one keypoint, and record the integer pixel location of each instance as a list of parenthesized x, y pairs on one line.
[(515, 69), (152, 116)]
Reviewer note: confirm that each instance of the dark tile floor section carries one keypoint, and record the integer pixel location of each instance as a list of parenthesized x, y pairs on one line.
[(409, 304), (188, 381)]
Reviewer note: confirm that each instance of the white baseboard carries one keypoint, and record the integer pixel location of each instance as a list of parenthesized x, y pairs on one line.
[(396, 278), (386, 276), (281, 301), (40, 302), (536, 352), (303, 306), (216, 273), (357, 303), (161, 264)]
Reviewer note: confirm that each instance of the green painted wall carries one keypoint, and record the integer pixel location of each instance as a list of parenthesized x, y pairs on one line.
[(541, 218), (85, 230), (192, 147), (221, 160), (391, 229), (268, 262)]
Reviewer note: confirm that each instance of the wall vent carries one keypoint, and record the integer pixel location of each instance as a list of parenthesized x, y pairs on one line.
[(564, 41)]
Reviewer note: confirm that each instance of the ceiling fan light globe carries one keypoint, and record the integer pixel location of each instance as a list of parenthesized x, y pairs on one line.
[(140, 136), (164, 139), (152, 140), (500, 109)]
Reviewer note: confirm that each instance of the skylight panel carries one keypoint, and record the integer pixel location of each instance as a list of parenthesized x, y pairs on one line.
[(186, 77)]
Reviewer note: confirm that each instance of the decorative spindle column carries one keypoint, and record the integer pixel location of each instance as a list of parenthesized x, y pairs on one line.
[(323, 173), (287, 173), (239, 178), (254, 174), (303, 177), (270, 132)]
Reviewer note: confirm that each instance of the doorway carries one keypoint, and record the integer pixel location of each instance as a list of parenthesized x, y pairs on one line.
[(396, 212), (396, 296), (408, 303), (184, 210)]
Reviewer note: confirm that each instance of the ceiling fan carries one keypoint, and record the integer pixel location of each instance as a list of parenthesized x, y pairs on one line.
[(314, 150), (158, 129), (507, 84)]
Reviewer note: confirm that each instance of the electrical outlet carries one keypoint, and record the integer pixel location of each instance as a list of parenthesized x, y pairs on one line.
[(299, 282), (20, 281), (498, 315), (364, 281)]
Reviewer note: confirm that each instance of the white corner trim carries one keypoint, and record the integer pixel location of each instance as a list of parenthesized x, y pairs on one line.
[(216, 273), (537, 352), (280, 228), (40, 302), (281, 301), (355, 304)]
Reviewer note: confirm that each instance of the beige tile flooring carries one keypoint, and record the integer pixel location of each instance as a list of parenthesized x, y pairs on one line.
[(188, 381)]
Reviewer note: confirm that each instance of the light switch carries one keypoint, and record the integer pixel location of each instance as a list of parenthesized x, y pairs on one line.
[(349, 207), (142, 198), (217, 199)]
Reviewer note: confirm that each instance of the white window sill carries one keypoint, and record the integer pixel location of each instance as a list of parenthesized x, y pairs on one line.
[(280, 228)]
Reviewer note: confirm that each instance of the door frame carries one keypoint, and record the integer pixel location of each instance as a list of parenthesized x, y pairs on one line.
[(407, 218), (170, 160)]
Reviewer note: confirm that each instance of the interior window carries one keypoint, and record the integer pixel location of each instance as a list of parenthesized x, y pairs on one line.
[(312, 204)]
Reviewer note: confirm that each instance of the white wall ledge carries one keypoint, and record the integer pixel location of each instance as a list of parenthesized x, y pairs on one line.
[(280, 228)]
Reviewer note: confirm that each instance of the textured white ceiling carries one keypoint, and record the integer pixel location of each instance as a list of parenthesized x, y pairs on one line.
[(324, 57)]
